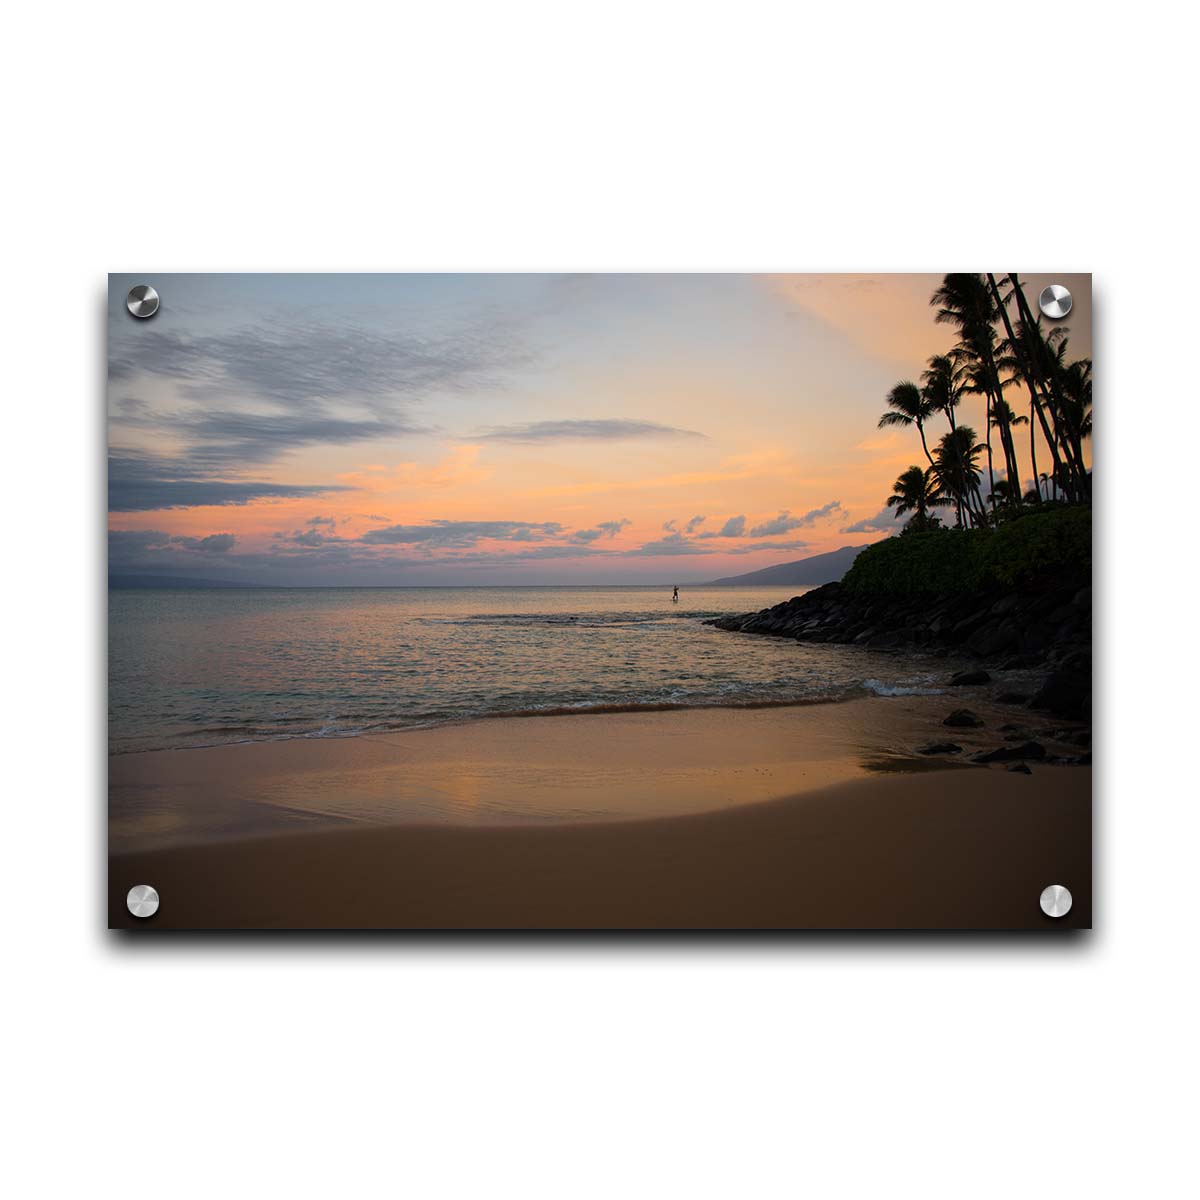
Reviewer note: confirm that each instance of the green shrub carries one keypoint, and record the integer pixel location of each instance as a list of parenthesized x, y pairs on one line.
[(955, 560)]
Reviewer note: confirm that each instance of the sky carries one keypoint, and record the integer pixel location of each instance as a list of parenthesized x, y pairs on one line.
[(459, 430)]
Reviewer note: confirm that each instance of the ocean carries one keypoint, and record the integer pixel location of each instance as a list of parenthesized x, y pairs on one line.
[(194, 667)]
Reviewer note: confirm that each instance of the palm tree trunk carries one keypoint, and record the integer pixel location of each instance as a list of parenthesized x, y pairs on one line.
[(1069, 474), (1061, 427), (921, 431), (983, 517), (1026, 371), (991, 473), (1010, 455), (1037, 483), (1006, 445), (1011, 466)]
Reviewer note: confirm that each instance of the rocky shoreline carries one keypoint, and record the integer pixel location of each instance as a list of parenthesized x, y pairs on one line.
[(1043, 626)]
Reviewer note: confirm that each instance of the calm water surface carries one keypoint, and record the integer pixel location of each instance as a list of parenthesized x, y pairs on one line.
[(206, 667)]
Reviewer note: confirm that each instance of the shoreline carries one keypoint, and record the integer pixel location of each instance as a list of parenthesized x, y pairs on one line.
[(900, 852), (820, 817), (594, 710), (514, 770)]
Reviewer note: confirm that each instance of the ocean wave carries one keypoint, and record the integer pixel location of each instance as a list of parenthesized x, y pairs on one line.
[(636, 706), (899, 689), (360, 666), (243, 734)]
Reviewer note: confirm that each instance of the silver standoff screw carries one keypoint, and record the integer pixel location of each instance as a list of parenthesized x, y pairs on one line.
[(1055, 901), (142, 900), (142, 301), (1055, 301)]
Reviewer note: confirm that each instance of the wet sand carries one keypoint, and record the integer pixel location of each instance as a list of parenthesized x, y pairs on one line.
[(760, 819)]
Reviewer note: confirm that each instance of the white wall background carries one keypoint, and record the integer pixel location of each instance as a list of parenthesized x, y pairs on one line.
[(928, 136)]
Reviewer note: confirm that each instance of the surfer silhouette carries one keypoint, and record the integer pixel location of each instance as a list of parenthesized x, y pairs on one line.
[(675, 597)]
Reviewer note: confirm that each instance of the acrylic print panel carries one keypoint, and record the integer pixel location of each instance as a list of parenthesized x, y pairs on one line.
[(599, 601)]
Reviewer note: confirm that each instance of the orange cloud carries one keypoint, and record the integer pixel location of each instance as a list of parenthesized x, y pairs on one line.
[(887, 316), (458, 468)]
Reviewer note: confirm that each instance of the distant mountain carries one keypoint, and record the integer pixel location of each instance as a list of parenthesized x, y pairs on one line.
[(173, 581), (804, 572)]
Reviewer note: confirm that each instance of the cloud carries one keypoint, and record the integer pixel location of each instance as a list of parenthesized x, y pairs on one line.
[(887, 316), (146, 483), (781, 524), (695, 524), (555, 550), (735, 527), (677, 543), (127, 541), (582, 430), (785, 522), (608, 529), (330, 521), (884, 521), (255, 394), (672, 544), (214, 543), (440, 534), (308, 537), (826, 510), (223, 440), (130, 545), (301, 363)]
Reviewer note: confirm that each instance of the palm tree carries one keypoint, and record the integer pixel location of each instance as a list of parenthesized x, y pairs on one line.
[(918, 491), (1006, 416), (1001, 494), (908, 407), (956, 463), (1047, 360), (1034, 360), (942, 385), (1023, 365), (965, 302), (1077, 389), (1072, 412)]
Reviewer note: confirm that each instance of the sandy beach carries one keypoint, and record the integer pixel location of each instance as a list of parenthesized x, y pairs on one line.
[(805, 818)]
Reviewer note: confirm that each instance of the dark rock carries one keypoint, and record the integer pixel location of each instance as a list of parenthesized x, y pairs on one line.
[(963, 718), (1066, 693), (1020, 662), (1021, 768), (1073, 737), (940, 748), (966, 678), (1076, 660), (1070, 631), (1013, 698), (1047, 619), (1034, 750), (991, 639), (967, 625)]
